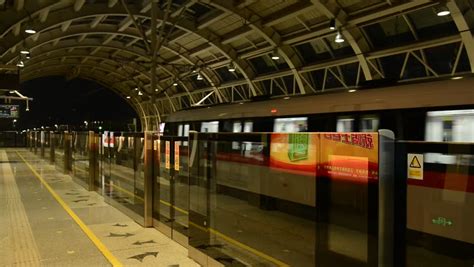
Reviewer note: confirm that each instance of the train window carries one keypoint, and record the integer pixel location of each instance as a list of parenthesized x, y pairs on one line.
[(369, 124), (183, 130), (345, 125), (289, 125), (450, 125), (248, 127), (210, 127), (237, 127)]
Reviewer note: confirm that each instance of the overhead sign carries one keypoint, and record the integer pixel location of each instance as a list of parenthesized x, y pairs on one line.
[(167, 155), (415, 166), (9, 111), (176, 156)]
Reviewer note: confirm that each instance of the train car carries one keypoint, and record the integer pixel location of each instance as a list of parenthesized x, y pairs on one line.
[(438, 111), (432, 111)]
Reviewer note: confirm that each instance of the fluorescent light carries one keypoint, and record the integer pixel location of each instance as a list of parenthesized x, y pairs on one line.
[(457, 78), (128, 97), (339, 38), (175, 84), (352, 90), (199, 77), (442, 11), (20, 64), (140, 93), (24, 52), (275, 57), (30, 31), (231, 69)]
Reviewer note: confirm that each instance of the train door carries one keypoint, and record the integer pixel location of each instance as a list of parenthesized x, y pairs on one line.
[(170, 195)]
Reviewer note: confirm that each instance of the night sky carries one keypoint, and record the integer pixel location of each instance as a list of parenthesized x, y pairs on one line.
[(59, 101)]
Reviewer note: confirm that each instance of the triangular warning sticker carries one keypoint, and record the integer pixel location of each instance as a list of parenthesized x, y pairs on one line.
[(415, 163)]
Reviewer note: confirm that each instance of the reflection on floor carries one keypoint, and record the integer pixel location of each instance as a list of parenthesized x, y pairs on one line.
[(37, 230)]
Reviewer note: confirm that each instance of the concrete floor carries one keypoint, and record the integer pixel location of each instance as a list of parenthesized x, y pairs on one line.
[(36, 230)]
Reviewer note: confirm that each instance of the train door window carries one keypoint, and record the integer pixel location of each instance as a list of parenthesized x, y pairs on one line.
[(345, 124), (183, 130), (210, 127), (369, 124), (248, 127), (289, 125), (237, 127), (450, 125)]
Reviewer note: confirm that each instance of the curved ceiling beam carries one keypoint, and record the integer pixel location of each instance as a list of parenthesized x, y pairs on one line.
[(58, 18), (458, 10), (269, 34), (353, 35), (39, 60), (106, 57)]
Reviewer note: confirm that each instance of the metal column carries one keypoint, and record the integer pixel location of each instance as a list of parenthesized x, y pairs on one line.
[(148, 183)]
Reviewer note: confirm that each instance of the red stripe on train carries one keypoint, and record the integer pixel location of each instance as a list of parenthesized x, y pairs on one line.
[(462, 182)]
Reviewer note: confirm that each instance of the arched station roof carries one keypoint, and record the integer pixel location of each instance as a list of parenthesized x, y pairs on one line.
[(277, 47)]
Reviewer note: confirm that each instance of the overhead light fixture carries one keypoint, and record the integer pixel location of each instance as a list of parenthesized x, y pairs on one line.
[(339, 38), (140, 93), (25, 52), (20, 64), (352, 90), (136, 88), (175, 84), (30, 30), (442, 11), (457, 78), (275, 55), (332, 24), (28, 57), (199, 77), (231, 67), (128, 97), (286, 97)]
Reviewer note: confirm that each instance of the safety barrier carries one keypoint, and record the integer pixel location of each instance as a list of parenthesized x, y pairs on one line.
[(297, 199)]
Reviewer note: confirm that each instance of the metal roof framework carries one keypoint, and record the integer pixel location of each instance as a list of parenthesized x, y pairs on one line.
[(113, 42)]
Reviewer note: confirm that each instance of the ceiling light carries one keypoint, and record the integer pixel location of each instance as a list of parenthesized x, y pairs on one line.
[(332, 24), (339, 38), (286, 97), (28, 57), (20, 64), (30, 30), (352, 90), (199, 77), (442, 11), (136, 88), (140, 93), (457, 78), (25, 52), (175, 84), (231, 68), (128, 97)]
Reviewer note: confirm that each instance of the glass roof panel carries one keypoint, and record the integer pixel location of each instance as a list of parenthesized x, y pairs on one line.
[(429, 26), (391, 32)]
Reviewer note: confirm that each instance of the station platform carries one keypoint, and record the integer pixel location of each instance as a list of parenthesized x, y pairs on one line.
[(49, 220)]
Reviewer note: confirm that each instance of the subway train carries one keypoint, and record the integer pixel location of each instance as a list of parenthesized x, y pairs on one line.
[(431, 111), (437, 111)]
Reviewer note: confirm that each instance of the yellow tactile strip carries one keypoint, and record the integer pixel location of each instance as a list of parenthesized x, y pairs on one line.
[(102, 248), (20, 235)]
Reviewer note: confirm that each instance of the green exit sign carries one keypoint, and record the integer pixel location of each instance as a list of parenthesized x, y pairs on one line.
[(442, 221)]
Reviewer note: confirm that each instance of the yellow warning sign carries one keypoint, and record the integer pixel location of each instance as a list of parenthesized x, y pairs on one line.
[(415, 166), (415, 163)]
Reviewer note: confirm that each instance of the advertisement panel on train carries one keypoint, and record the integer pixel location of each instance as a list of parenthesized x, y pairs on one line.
[(348, 156)]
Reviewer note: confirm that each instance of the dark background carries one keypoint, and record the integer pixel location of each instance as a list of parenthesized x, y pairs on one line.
[(70, 102)]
